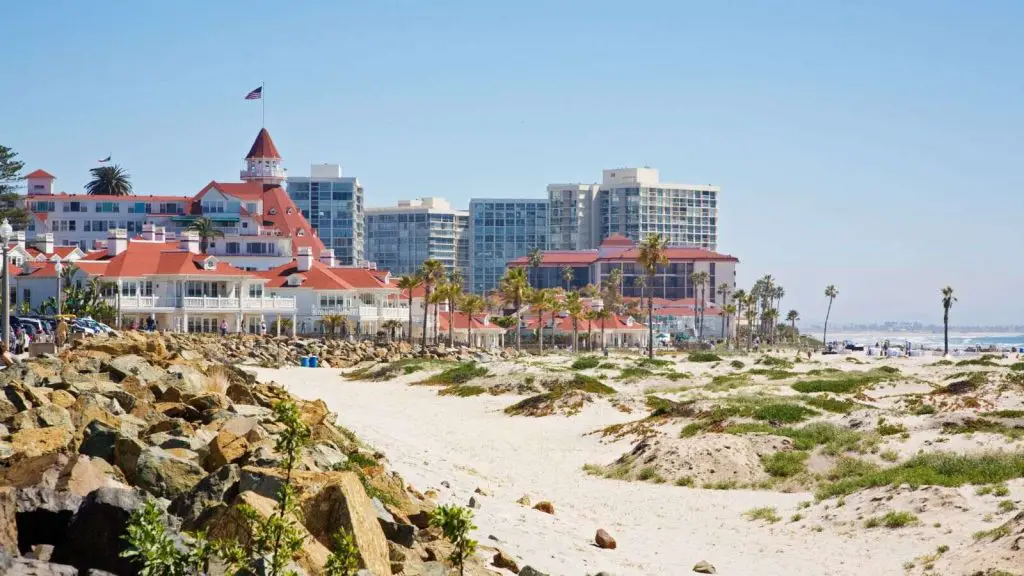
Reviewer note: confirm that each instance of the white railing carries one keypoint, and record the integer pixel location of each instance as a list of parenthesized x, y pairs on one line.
[(282, 303), (365, 312), (132, 302)]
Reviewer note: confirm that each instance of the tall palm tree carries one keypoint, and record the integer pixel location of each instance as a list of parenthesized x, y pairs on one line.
[(408, 284), (724, 290), (452, 293), (574, 307), (652, 253), (436, 298), (390, 326), (535, 258), (752, 300), (700, 281), (590, 315), (830, 293), (727, 313), (514, 288), (432, 271), (471, 305), (778, 294), (739, 298), (947, 303), (207, 231), (612, 294), (568, 274), (792, 316), (603, 314), (332, 322), (543, 301), (109, 181)]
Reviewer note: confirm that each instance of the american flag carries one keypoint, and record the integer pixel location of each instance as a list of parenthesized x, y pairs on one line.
[(255, 94)]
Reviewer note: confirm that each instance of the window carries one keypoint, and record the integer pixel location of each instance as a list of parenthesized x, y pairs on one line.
[(146, 288), (233, 248), (26, 296), (255, 290), (129, 289)]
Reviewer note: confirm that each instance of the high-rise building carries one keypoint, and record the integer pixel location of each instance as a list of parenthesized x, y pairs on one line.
[(333, 205), (634, 203), (399, 238), (501, 230), (572, 220)]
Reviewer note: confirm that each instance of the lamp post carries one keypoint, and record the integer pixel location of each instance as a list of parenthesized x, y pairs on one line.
[(58, 268), (5, 235)]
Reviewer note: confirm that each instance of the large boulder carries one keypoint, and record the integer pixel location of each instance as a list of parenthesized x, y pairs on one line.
[(43, 516), (41, 471), (225, 448), (38, 441), (99, 440), (83, 474), (217, 489), (163, 474), (134, 365), (188, 379), (8, 519), (95, 536), (20, 566)]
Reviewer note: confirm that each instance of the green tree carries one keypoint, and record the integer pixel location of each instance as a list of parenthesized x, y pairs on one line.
[(792, 316), (739, 298), (542, 301), (728, 311), (652, 253), (408, 284), (724, 289), (751, 317), (452, 292), (109, 181), (150, 545), (700, 283), (535, 258), (568, 274), (515, 289), (207, 231), (456, 523), (947, 303), (432, 272), (603, 314), (390, 327), (612, 293), (830, 293), (344, 560), (10, 182), (471, 305), (574, 306)]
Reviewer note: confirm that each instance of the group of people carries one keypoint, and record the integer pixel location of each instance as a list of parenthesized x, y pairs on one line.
[(149, 325), (224, 328)]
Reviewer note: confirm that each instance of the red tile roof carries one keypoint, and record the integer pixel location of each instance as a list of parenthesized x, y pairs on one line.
[(40, 174), (263, 147), (564, 324), (46, 269), (318, 277), (106, 198), (158, 258), (280, 212), (461, 320), (617, 240), (241, 190)]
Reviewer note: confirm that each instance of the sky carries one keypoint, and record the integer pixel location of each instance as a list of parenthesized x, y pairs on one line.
[(870, 144)]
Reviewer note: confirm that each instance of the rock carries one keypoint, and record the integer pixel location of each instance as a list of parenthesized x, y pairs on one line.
[(394, 531), (704, 567), (503, 560), (164, 474), (473, 503), (229, 524), (239, 394), (43, 516), (39, 441), (41, 471), (8, 519), (127, 452), (545, 506), (177, 410), (98, 441), (83, 474), (224, 449), (323, 457), (524, 501), (16, 395), (187, 378), (530, 571), (62, 398), (41, 552), (210, 401), (604, 540), (21, 566), (481, 491), (133, 365), (167, 441), (53, 415), (95, 536), (219, 488), (124, 399)]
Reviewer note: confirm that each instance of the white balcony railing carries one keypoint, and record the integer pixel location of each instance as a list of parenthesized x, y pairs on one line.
[(133, 302), (200, 303), (365, 312)]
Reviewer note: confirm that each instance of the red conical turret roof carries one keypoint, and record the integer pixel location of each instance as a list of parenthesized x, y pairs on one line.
[(263, 147)]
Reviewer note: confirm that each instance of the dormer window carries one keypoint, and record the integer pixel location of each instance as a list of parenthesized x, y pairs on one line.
[(272, 211), (291, 211), (295, 280), (301, 232), (210, 263)]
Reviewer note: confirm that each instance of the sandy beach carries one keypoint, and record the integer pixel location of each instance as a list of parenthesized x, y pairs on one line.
[(455, 445)]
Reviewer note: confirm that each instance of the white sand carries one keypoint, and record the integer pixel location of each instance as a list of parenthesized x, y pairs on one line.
[(660, 529)]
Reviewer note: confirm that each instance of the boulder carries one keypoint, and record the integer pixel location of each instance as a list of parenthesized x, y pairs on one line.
[(604, 540), (83, 474), (21, 566), (545, 507), (133, 365), (127, 452), (8, 519), (165, 475), (323, 457), (187, 378), (95, 536), (99, 440), (704, 567), (7, 408), (506, 562), (394, 531), (62, 398), (177, 410), (224, 449), (530, 571), (239, 394), (43, 516), (38, 471), (218, 488), (39, 441), (210, 401), (52, 415)]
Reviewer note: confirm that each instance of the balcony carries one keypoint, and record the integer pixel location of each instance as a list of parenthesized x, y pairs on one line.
[(365, 312), (204, 303)]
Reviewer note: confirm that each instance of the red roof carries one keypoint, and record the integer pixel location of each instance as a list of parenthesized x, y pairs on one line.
[(107, 198), (318, 277), (280, 212), (159, 258), (461, 320), (617, 240), (564, 324), (46, 269), (62, 251), (40, 174), (263, 147), (241, 190)]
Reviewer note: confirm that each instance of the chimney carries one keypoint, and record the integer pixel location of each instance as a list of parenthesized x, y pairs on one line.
[(327, 257), (44, 243), (19, 238), (117, 241), (304, 260), (147, 232), (189, 241), (159, 234)]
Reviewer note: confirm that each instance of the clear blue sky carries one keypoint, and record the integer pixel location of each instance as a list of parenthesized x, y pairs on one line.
[(876, 145)]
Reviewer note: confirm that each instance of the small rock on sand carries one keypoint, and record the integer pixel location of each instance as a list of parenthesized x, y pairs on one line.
[(704, 567), (545, 506), (604, 540)]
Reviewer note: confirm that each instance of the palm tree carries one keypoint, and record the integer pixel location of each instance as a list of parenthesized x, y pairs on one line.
[(612, 295), (436, 298), (542, 301), (590, 315), (332, 322), (792, 316), (109, 181), (751, 317), (452, 292), (514, 288), (432, 271), (739, 297), (830, 293), (471, 304), (652, 253), (589, 291), (408, 284), (727, 313), (602, 315), (574, 307), (207, 231), (724, 290), (700, 280), (947, 303), (390, 326), (536, 258), (568, 274)]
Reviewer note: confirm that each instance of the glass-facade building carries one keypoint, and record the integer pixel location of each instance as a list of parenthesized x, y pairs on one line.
[(399, 238), (334, 208), (501, 230), (684, 215)]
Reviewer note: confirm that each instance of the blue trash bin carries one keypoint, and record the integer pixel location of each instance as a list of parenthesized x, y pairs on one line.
[(314, 361), (304, 361)]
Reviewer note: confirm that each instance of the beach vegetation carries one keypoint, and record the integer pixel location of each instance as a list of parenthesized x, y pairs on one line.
[(892, 519), (653, 363), (1007, 506), (458, 374), (841, 382), (700, 356), (972, 425), (631, 372), (1017, 366), (775, 362), (998, 490), (736, 364), (772, 373), (669, 408), (462, 391), (830, 404), (784, 464), (1005, 414), (456, 523), (585, 363), (766, 513), (996, 533), (723, 382)]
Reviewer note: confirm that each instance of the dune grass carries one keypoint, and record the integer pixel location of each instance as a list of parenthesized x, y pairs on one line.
[(462, 391), (766, 513), (704, 357), (842, 382), (774, 362), (784, 464), (829, 404), (891, 520), (585, 362), (458, 374)]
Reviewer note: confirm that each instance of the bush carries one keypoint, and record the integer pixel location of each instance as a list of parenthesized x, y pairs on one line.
[(703, 357), (459, 374), (784, 464), (783, 413), (586, 362), (462, 391), (841, 383), (634, 372), (456, 523), (983, 361), (653, 363), (891, 520), (1017, 366), (774, 362), (664, 407), (830, 404), (766, 513), (736, 364), (772, 373), (846, 468)]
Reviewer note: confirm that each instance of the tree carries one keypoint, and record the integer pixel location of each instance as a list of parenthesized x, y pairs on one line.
[(471, 305), (541, 301), (652, 253), (514, 289), (830, 293), (432, 271), (568, 274), (390, 327), (612, 294), (207, 230), (724, 290), (452, 293), (728, 311), (456, 523), (589, 291), (700, 281), (590, 315), (602, 315), (574, 307), (10, 178), (332, 322), (792, 316), (536, 258), (947, 303), (109, 181), (740, 299), (408, 284), (751, 317)]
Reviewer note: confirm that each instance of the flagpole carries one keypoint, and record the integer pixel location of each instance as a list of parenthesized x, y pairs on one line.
[(263, 104)]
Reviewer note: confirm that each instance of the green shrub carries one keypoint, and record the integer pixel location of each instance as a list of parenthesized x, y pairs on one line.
[(942, 363), (691, 430), (459, 374), (1017, 366), (891, 520), (846, 468), (736, 364), (830, 404), (983, 361), (586, 362), (634, 372), (772, 373), (783, 413), (841, 382), (609, 366), (674, 376), (664, 407), (462, 391), (684, 481), (784, 464), (995, 533), (652, 363), (704, 357), (649, 473), (886, 429), (456, 523), (1007, 506), (1006, 414), (723, 382), (766, 513), (775, 362), (971, 425)]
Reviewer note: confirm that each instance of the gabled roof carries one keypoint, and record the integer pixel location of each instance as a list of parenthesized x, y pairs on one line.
[(563, 324), (240, 190), (616, 240), (47, 269), (40, 174), (280, 212), (318, 277), (461, 320), (263, 147), (159, 258)]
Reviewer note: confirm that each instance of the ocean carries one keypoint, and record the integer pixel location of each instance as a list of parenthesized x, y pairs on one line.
[(957, 340)]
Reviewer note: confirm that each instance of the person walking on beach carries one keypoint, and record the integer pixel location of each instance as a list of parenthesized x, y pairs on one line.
[(62, 332), (263, 328), (223, 328)]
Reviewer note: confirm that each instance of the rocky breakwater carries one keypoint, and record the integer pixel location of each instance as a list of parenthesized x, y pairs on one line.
[(275, 352), (115, 426)]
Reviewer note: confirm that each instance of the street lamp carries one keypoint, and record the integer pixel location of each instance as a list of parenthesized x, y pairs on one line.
[(58, 268), (5, 235)]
